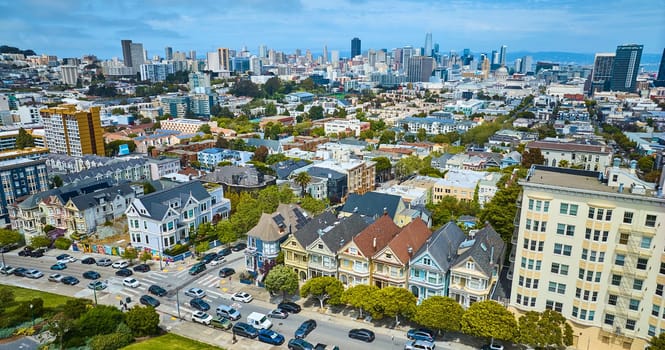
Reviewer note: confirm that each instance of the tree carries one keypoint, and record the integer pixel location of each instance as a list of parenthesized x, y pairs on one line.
[(314, 206), (6, 295), (324, 289), (148, 188), (62, 243), (260, 154), (8, 237), (645, 164), (271, 109), (500, 211), (74, 308), (532, 156), (145, 256), (40, 241), (563, 163), (387, 137), (225, 232), (440, 313), (489, 319), (657, 342), (24, 140), (422, 134), (205, 128), (302, 179), (201, 247), (57, 181), (282, 279), (143, 321), (58, 326), (544, 330), (271, 86), (383, 167), (101, 319), (408, 166), (359, 296), (130, 254), (315, 112), (245, 87), (393, 302)]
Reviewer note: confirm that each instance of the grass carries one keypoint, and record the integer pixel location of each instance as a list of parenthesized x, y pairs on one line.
[(172, 342), (50, 300)]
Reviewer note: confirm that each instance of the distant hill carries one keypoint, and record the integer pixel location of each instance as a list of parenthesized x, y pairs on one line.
[(10, 49), (648, 59)]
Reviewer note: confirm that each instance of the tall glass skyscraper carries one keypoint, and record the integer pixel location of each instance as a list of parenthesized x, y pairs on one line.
[(355, 47), (428, 44), (625, 68), (660, 79)]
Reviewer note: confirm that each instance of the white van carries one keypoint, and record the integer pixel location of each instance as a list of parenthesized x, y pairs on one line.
[(228, 312), (259, 321)]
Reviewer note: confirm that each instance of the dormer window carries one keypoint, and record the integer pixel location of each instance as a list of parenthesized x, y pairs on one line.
[(470, 265), (389, 256)]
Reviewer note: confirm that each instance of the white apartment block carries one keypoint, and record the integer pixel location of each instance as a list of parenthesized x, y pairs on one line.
[(185, 126), (589, 157), (593, 250), (347, 126), (163, 167)]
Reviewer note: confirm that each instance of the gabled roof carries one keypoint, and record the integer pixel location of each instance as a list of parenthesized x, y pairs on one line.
[(309, 232), (372, 204), (286, 219), (273, 145), (285, 168), (342, 231), (409, 240), (486, 248), (66, 192), (376, 236), (104, 170), (91, 200), (157, 203), (325, 173), (442, 245)]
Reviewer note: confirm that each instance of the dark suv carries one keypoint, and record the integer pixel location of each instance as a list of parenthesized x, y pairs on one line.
[(305, 328), (141, 268), (157, 290), (290, 307), (245, 330)]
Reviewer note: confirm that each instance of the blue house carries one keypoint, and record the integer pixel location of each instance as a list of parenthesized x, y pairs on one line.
[(264, 239), (429, 271)]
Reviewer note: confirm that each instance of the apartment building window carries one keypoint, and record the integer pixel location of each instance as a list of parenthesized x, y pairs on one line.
[(596, 235), (562, 249), (623, 238), (645, 243), (628, 217), (637, 284), (659, 289), (576, 311), (563, 229), (616, 280), (612, 299), (561, 269), (531, 201), (650, 221), (652, 330), (553, 305), (600, 214), (557, 287), (609, 319), (620, 260), (655, 310), (528, 224), (662, 268), (642, 263), (568, 209), (630, 325)]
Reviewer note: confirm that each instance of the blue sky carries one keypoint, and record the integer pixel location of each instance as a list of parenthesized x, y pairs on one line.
[(75, 27)]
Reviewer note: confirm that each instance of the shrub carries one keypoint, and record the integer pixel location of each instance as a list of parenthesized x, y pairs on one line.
[(63, 243), (177, 249), (111, 341)]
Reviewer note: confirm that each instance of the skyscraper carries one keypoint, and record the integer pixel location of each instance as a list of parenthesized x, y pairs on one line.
[(625, 67), (334, 57), (660, 79), (192, 54), (527, 62), (137, 56), (602, 71), (168, 53), (502, 55), (428, 44), (325, 54), (73, 132), (126, 52), (420, 68), (263, 51), (69, 74), (355, 47)]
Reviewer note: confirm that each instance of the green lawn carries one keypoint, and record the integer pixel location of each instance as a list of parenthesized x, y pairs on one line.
[(172, 342), (50, 300)]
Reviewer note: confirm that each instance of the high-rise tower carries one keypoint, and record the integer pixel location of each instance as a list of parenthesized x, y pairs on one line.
[(73, 132), (625, 67), (502, 55), (325, 54), (428, 44), (602, 71), (660, 79), (126, 52), (168, 53), (355, 47)]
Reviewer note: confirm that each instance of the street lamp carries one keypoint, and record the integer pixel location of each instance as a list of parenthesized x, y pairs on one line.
[(177, 301), (94, 292), (32, 313)]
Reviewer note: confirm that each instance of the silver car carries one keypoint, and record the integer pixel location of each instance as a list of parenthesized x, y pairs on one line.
[(419, 345), (104, 262), (32, 273)]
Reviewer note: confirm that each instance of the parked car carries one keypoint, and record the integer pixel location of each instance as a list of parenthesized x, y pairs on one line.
[(320, 346), (91, 275), (221, 323), (300, 344), (58, 266), (289, 306), (142, 268), (37, 253), (56, 277), (7, 270), (208, 258), (97, 285), (245, 330), (197, 268), (270, 337), (88, 261), (149, 301), (228, 312), (70, 280), (202, 318), (305, 328), (130, 282), (199, 304), (33, 273), (243, 297), (65, 258), (278, 313), (218, 260), (226, 272), (224, 252), (419, 345), (120, 264), (124, 273), (238, 247), (492, 346), (20, 271), (104, 262), (362, 334), (8, 247), (25, 251), (157, 290), (195, 293), (420, 334)]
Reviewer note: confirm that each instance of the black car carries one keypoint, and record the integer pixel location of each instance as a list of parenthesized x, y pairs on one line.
[(124, 272), (25, 252), (238, 247), (300, 344), (88, 261), (362, 334), (70, 280), (290, 307), (8, 247), (20, 272), (199, 304), (245, 330), (91, 275), (157, 290), (149, 301), (224, 252), (226, 272), (208, 258), (37, 253), (142, 268), (305, 328)]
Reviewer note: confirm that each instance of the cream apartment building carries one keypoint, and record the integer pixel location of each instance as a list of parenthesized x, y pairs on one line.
[(591, 246)]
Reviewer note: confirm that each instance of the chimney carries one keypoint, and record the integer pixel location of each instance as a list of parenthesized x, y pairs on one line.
[(385, 211), (410, 250), (374, 243)]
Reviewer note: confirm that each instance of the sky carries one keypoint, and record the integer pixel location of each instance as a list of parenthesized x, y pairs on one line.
[(72, 28)]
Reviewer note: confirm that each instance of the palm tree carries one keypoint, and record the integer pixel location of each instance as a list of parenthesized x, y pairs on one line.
[(302, 179)]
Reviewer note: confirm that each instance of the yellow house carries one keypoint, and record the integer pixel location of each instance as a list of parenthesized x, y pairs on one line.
[(295, 254)]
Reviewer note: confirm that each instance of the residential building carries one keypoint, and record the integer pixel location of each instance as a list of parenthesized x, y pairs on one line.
[(299, 97), (69, 75), (460, 184), (73, 132), (235, 178), (590, 246), (163, 167), (625, 68), (26, 153), (264, 239), (176, 106), (345, 127), (160, 220), (487, 187), (155, 72), (429, 269), (355, 257), (87, 211), (336, 183), (20, 177), (391, 264), (294, 247), (433, 125), (373, 205), (360, 175), (476, 268), (602, 72), (586, 156), (133, 170)]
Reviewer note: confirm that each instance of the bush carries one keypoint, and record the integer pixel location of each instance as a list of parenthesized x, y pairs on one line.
[(177, 249), (111, 341), (63, 243)]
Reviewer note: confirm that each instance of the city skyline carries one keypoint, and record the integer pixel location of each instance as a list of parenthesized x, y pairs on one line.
[(79, 27)]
